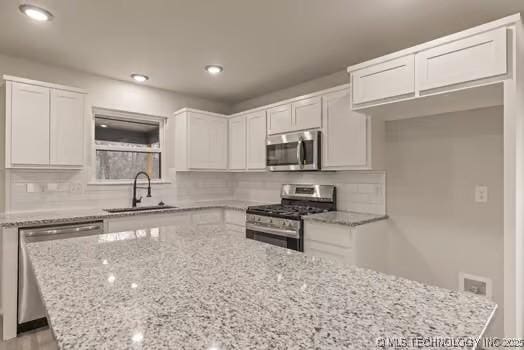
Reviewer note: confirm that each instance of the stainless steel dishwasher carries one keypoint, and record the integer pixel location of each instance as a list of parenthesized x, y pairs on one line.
[(31, 311)]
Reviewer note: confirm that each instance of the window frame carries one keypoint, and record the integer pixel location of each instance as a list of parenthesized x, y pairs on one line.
[(132, 117)]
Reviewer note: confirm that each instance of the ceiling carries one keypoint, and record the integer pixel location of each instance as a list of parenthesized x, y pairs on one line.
[(264, 45)]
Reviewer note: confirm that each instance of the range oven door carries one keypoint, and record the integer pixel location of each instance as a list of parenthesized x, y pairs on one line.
[(258, 234), (293, 152)]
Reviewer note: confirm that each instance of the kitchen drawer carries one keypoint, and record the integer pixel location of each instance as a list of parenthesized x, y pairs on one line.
[(480, 56), (137, 222), (333, 234), (201, 217), (235, 217), (328, 251), (382, 81)]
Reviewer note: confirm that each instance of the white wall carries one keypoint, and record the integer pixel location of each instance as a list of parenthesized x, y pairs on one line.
[(325, 82), (102, 92), (437, 230)]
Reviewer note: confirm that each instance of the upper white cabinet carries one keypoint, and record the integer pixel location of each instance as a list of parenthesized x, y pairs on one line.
[(67, 132), (384, 80), (237, 143), (279, 119), (201, 140), (247, 141), (471, 58), (300, 115), (307, 113), (477, 57), (44, 125), (256, 140), (345, 133), (29, 119)]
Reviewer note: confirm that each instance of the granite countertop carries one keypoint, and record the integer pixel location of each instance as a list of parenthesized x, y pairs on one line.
[(345, 218), (65, 216), (204, 288)]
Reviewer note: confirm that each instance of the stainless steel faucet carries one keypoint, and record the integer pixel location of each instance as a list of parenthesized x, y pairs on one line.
[(138, 200)]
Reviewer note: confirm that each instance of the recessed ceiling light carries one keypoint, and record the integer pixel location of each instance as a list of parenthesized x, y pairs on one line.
[(37, 13), (103, 125), (214, 69), (140, 77)]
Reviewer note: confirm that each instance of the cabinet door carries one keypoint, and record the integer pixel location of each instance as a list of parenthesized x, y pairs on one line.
[(67, 128), (199, 141), (384, 80), (237, 143), (256, 140), (217, 143), (279, 119), (307, 113), (29, 125), (345, 133), (477, 57)]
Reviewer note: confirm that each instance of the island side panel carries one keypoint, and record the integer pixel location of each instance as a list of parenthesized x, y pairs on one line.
[(9, 281)]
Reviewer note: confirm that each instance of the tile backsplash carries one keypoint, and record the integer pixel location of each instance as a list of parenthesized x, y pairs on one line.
[(49, 190), (356, 191)]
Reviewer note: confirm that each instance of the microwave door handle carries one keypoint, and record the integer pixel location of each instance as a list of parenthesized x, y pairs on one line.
[(300, 153)]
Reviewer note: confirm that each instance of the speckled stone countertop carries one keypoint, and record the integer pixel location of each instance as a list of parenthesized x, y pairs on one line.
[(345, 218), (65, 216), (206, 288)]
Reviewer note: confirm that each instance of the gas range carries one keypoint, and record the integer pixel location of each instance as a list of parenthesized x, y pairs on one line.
[(281, 224)]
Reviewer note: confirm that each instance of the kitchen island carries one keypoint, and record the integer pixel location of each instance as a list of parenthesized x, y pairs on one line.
[(202, 287)]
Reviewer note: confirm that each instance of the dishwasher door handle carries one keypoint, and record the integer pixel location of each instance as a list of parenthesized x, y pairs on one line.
[(61, 232)]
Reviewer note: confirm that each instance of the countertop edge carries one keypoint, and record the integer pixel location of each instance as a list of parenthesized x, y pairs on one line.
[(106, 215)]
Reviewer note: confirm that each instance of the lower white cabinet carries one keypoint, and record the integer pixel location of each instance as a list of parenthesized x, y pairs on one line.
[(364, 245), (345, 133), (44, 125), (182, 218), (235, 221), (201, 140)]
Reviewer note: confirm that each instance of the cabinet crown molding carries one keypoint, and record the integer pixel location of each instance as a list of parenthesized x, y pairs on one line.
[(43, 84)]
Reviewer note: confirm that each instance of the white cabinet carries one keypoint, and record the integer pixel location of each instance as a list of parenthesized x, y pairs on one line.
[(362, 245), (481, 56), (256, 140), (44, 125), (300, 115), (67, 128), (384, 81), (237, 143), (345, 133), (279, 119), (473, 58), (201, 140), (307, 113), (29, 119)]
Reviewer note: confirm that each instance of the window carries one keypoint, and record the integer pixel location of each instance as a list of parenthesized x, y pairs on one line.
[(126, 144)]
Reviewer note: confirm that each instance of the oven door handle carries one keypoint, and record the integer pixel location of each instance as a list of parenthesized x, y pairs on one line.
[(273, 231)]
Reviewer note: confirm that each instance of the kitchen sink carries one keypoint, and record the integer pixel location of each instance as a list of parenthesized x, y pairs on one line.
[(148, 208)]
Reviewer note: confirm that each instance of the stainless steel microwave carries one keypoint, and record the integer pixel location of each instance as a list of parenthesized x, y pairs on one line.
[(298, 151)]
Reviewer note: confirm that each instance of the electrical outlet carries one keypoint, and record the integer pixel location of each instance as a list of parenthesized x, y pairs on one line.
[(481, 194), (475, 284)]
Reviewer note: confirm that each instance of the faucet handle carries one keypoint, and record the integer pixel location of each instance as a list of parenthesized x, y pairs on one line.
[(139, 200)]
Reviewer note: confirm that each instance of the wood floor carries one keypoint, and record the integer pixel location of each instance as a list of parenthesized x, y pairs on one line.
[(35, 340)]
